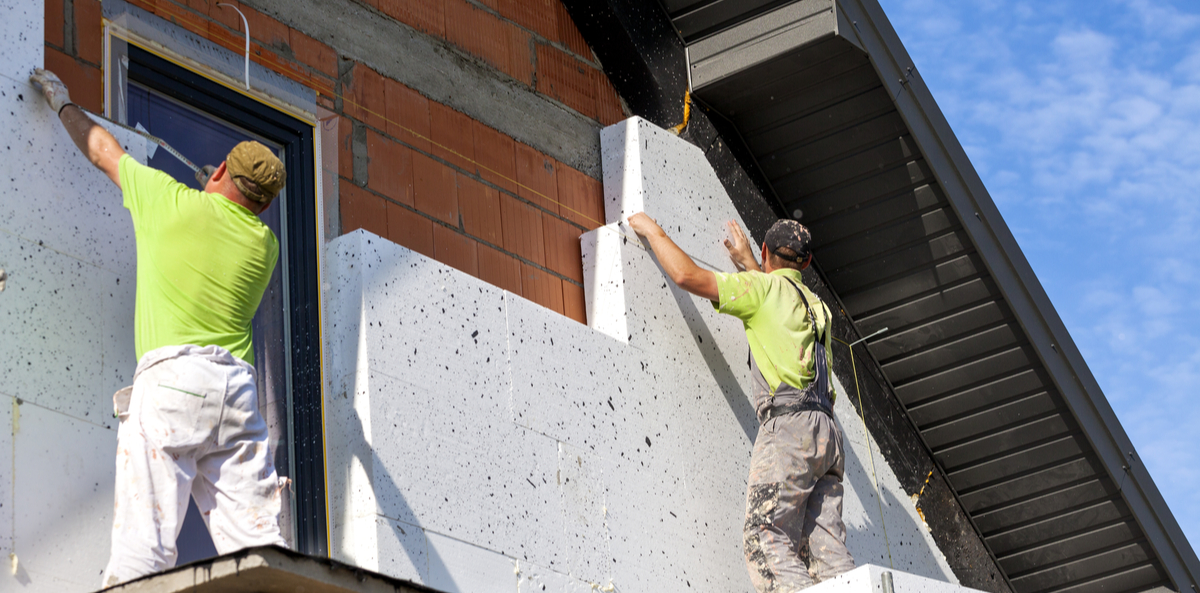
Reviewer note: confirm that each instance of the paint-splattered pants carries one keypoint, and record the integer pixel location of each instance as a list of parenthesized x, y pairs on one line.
[(794, 498), (190, 427)]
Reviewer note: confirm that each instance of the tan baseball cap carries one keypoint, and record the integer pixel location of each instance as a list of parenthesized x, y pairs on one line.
[(256, 171)]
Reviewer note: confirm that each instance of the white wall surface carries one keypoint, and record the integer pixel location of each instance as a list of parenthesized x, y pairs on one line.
[(479, 442), (869, 579), (66, 332)]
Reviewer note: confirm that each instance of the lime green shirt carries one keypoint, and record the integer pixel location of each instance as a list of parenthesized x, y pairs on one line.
[(203, 263), (777, 325)]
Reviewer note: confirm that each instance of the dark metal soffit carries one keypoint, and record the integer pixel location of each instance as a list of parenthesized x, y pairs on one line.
[(846, 132)]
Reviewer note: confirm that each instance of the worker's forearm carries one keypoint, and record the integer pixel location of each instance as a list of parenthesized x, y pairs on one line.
[(673, 260), (99, 146)]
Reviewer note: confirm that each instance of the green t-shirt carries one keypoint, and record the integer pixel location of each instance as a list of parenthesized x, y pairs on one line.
[(203, 263), (777, 326)]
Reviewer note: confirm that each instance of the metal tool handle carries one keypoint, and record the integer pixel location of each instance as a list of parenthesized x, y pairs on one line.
[(885, 581)]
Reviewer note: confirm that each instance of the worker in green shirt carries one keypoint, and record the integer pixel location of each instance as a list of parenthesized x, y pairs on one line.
[(794, 494), (189, 425)]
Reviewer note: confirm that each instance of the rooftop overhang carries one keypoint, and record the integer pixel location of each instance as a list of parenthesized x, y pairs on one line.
[(837, 120)]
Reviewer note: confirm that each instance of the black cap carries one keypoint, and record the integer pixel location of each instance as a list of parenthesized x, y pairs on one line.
[(792, 235)]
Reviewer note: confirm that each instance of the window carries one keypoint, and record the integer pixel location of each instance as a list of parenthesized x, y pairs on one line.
[(204, 119)]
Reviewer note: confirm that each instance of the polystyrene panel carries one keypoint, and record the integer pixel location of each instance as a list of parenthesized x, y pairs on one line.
[(581, 480), (535, 579), (341, 298), (58, 317), (63, 495), (628, 301), (582, 387), (6, 475), (347, 403), (458, 567), (448, 460), (648, 169), (869, 579), (350, 485), (653, 315), (652, 512), (602, 290), (640, 419), (21, 37), (52, 195), (390, 547), (409, 298), (69, 250)]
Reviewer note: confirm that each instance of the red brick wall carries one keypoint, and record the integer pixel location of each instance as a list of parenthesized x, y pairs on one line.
[(437, 181), (75, 53)]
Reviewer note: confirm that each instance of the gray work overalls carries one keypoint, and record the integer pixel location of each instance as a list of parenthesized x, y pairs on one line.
[(794, 495)]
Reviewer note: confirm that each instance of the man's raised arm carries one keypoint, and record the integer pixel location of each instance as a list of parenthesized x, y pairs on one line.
[(93, 141), (683, 271)]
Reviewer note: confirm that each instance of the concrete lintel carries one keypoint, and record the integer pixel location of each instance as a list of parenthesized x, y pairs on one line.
[(201, 51), (443, 74)]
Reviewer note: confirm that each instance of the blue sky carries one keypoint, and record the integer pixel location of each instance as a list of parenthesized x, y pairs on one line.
[(1083, 119)]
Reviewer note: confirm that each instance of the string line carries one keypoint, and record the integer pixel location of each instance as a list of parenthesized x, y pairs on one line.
[(862, 408)]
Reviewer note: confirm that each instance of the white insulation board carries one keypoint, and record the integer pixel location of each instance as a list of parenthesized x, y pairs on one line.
[(870, 579), (478, 441), (66, 331)]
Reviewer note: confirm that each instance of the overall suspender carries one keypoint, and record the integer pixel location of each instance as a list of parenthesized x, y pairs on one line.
[(821, 369)]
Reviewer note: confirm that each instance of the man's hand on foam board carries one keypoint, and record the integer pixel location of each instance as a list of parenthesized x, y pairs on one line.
[(644, 225), (739, 248), (52, 88)]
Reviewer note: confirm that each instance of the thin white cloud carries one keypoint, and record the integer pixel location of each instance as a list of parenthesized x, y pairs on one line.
[(1162, 18), (1189, 67)]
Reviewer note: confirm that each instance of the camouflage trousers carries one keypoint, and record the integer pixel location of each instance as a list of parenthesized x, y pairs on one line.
[(794, 504)]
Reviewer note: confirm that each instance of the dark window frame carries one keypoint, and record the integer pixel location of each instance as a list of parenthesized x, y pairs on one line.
[(297, 137)]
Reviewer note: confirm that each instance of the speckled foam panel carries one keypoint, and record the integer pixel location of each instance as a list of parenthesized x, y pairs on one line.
[(66, 330), (475, 437), (21, 37), (869, 579), (62, 499)]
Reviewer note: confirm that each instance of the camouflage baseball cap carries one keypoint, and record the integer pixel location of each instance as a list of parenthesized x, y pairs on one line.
[(256, 171), (792, 235)]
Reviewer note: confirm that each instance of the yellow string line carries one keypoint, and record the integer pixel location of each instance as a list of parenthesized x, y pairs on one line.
[(862, 408)]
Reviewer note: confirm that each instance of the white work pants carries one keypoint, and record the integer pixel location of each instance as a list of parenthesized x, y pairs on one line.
[(191, 426)]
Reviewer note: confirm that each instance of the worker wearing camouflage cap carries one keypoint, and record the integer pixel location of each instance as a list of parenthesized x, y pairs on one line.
[(189, 425), (794, 493)]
